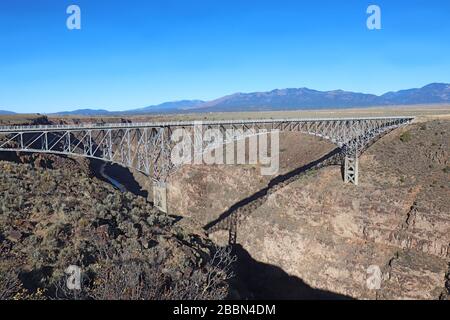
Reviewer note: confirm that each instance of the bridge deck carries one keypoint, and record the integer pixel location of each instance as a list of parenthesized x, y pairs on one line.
[(93, 126)]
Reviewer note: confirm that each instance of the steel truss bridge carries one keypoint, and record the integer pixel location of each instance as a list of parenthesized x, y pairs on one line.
[(147, 147)]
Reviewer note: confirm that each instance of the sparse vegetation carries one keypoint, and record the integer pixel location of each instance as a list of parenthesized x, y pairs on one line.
[(405, 136), (126, 249), (123, 277), (10, 285)]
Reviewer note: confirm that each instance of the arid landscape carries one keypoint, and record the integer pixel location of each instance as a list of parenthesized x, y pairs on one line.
[(224, 159), (302, 234)]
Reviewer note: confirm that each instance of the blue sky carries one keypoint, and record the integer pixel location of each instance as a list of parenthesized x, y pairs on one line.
[(132, 53)]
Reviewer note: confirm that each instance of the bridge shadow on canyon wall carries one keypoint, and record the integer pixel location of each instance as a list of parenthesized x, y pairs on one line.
[(257, 280), (228, 220), (222, 222)]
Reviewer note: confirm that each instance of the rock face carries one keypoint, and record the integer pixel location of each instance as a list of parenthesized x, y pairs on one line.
[(339, 238)]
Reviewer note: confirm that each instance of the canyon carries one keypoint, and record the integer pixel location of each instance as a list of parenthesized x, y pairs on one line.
[(328, 234), (308, 235)]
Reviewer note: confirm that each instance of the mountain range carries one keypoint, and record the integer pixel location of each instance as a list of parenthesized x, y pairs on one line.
[(304, 98), (4, 112), (290, 99)]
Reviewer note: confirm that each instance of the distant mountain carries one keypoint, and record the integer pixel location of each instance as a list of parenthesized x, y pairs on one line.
[(432, 93), (83, 112), (304, 98), (4, 112), (288, 99), (168, 107)]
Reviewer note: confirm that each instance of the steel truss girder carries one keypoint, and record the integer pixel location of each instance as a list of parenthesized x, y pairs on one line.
[(147, 147)]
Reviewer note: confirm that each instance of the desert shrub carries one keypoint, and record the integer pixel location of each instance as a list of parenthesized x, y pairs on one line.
[(10, 284), (405, 136), (11, 287), (209, 283), (125, 278), (122, 276)]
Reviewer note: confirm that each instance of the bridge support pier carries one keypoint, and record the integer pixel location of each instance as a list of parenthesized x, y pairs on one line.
[(232, 234), (160, 196), (351, 169), (232, 229)]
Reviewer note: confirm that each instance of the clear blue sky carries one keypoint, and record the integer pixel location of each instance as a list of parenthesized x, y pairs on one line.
[(133, 53)]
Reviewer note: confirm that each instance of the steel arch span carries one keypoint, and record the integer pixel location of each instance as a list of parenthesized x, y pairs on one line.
[(146, 147)]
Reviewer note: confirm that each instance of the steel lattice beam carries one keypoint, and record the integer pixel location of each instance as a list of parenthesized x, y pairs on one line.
[(147, 147)]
